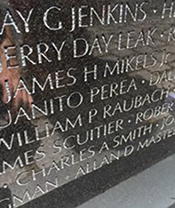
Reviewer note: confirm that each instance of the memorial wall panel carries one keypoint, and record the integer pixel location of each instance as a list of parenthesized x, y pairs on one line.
[(87, 96)]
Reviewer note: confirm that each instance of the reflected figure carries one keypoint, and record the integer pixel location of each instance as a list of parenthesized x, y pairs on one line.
[(9, 79), (12, 75)]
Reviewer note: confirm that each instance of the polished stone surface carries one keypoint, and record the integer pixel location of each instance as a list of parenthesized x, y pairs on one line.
[(85, 104)]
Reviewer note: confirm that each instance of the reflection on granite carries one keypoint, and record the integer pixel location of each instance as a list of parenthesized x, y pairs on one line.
[(94, 104), (149, 188)]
